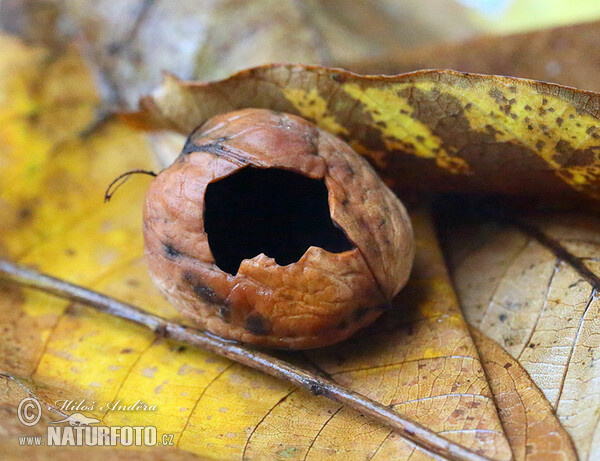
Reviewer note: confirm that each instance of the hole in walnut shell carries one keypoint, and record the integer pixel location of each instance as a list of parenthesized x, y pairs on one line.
[(272, 211)]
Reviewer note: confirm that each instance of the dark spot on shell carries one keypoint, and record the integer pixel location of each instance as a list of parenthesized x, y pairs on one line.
[(502, 317), (127, 350), (202, 292), (528, 107), (171, 251), (559, 121), (342, 325), (544, 101), (531, 345), (539, 145), (361, 312), (257, 324), (224, 312), (551, 109), (508, 365)]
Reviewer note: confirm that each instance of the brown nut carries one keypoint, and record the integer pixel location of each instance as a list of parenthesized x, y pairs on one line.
[(271, 231)]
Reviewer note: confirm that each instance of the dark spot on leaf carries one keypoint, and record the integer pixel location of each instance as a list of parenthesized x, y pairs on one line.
[(568, 156), (25, 214)]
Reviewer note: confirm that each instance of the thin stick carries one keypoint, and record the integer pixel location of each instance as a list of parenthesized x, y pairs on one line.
[(113, 186), (266, 363)]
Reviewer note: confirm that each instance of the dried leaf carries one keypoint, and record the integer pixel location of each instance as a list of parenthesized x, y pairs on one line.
[(542, 310), (560, 55), (437, 130), (420, 360), (131, 42), (532, 428)]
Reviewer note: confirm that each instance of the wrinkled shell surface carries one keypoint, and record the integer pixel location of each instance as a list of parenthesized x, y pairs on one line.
[(321, 299)]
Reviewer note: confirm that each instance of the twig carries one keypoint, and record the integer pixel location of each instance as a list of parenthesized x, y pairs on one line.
[(266, 363), (122, 178)]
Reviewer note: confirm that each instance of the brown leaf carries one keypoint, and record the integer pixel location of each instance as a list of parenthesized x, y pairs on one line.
[(542, 310), (532, 428), (132, 42), (560, 55), (433, 130)]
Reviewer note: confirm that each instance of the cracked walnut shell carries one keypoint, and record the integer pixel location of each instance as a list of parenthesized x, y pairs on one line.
[(271, 231)]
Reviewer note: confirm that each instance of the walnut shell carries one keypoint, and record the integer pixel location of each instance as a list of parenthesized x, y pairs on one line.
[(319, 299)]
